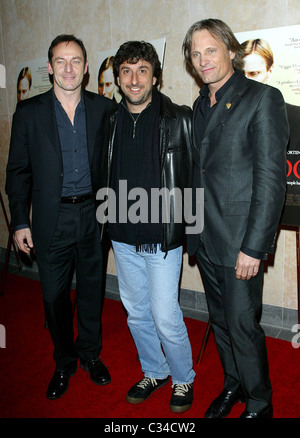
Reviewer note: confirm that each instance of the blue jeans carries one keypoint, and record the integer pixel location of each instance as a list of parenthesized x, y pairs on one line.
[(148, 284)]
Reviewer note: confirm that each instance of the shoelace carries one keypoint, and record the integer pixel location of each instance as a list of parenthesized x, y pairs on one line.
[(181, 389), (145, 381)]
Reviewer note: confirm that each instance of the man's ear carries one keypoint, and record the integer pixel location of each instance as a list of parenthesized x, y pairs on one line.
[(50, 71), (232, 55)]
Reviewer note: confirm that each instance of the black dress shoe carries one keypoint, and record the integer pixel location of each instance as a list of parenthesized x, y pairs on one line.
[(267, 412), (60, 381), (223, 404), (98, 372)]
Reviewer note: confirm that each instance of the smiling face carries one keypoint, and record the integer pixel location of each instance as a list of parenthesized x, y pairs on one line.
[(67, 67), (211, 60), (136, 82)]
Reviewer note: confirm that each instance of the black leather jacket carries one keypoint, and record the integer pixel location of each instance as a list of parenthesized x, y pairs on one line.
[(175, 143)]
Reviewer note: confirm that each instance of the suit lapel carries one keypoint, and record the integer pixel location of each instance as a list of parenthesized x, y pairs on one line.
[(195, 148), (48, 121), (90, 115), (224, 108), (229, 101)]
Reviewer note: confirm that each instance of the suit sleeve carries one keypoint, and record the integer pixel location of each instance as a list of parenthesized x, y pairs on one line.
[(269, 135), (18, 171)]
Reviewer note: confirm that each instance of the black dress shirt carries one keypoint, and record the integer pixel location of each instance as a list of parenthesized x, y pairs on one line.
[(205, 111), (73, 141)]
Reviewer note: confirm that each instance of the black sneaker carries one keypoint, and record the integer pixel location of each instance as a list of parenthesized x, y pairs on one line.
[(144, 388), (182, 397)]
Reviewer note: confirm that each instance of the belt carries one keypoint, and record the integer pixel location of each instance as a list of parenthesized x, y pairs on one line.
[(75, 199)]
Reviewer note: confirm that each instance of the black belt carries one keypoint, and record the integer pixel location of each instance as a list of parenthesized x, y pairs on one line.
[(75, 199)]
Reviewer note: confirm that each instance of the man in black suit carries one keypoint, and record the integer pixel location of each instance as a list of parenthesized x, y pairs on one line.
[(54, 160), (240, 132)]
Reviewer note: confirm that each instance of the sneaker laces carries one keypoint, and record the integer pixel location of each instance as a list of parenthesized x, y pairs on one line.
[(180, 389), (145, 382)]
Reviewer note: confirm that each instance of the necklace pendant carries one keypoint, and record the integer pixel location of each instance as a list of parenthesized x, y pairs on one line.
[(133, 133)]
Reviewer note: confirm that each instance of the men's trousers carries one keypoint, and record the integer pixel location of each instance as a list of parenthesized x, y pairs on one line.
[(75, 244), (148, 284), (235, 309)]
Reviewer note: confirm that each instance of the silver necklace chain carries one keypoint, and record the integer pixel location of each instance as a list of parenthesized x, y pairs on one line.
[(134, 120)]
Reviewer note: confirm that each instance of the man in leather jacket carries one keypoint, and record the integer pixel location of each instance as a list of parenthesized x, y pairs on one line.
[(149, 150)]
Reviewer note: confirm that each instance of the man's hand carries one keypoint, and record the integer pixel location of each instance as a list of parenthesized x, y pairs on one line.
[(23, 240), (246, 266)]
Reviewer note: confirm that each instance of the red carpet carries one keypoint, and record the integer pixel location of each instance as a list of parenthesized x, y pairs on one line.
[(26, 368)]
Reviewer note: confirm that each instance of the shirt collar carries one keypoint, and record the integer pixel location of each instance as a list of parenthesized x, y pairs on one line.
[(204, 92), (80, 103)]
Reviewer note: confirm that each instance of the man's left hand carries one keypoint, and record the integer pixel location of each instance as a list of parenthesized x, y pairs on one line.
[(246, 266)]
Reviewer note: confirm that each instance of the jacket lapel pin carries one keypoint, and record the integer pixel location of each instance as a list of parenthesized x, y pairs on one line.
[(228, 105)]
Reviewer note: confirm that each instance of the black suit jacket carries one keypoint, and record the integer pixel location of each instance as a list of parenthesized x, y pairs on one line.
[(241, 164), (35, 166)]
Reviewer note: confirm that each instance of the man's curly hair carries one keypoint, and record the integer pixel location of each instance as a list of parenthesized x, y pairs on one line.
[(134, 51)]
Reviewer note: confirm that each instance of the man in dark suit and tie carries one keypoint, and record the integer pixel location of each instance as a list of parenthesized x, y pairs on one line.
[(240, 134), (54, 161)]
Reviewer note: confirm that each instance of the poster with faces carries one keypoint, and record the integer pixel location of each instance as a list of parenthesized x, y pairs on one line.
[(272, 56), (32, 78)]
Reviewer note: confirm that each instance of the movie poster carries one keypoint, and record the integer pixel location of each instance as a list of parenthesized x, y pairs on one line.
[(32, 78), (106, 84), (272, 56)]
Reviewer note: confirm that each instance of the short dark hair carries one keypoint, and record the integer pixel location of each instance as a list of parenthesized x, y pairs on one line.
[(65, 38), (132, 52), (220, 30)]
